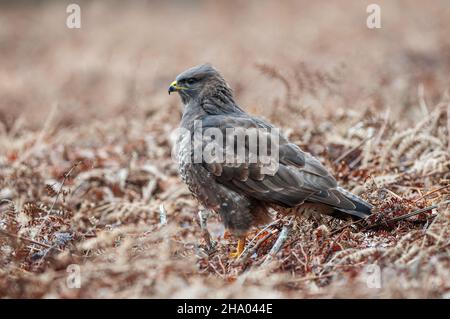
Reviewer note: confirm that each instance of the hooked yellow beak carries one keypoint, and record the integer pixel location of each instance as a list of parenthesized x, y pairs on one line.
[(174, 87)]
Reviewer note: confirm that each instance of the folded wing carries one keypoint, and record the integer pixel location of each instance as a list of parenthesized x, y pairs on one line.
[(299, 177)]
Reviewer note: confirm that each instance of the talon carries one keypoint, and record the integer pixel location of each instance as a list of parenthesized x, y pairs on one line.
[(239, 249)]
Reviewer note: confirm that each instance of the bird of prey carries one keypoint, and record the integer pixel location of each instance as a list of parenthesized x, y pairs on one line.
[(242, 192)]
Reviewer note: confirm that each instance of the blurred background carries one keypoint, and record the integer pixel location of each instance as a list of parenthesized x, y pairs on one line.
[(86, 130), (126, 53)]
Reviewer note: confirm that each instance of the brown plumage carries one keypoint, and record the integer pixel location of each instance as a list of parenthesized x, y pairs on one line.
[(241, 193)]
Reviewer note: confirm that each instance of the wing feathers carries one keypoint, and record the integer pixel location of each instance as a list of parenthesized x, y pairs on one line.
[(299, 178)]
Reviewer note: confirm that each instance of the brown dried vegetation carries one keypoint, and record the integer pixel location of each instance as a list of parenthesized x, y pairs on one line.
[(86, 130)]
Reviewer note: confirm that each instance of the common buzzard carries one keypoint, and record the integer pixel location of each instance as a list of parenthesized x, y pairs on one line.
[(241, 190)]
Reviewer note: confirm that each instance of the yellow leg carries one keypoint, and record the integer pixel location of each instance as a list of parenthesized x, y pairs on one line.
[(239, 249)]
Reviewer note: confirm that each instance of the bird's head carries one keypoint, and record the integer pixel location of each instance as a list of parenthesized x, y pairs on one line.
[(196, 82)]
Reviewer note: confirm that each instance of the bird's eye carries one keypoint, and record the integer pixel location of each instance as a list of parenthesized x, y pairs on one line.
[(191, 81)]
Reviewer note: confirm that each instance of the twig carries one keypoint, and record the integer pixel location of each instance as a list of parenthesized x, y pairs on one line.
[(247, 247), (66, 176), (26, 239), (353, 164), (221, 264), (279, 243), (432, 192), (205, 233), (416, 212), (250, 252), (162, 215), (392, 193), (303, 263), (215, 270), (346, 226), (312, 278)]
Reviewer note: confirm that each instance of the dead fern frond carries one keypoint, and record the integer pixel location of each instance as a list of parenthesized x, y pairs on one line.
[(273, 73), (34, 210), (51, 191), (134, 212), (414, 145)]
